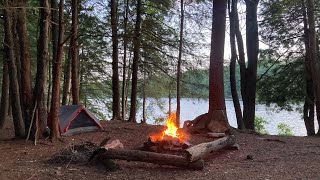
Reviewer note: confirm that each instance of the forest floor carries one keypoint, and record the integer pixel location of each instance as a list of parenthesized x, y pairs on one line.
[(270, 157)]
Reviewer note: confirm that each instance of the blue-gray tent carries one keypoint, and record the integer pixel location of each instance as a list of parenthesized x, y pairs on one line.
[(75, 119)]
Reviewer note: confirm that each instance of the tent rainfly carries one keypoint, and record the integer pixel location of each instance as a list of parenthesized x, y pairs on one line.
[(74, 119)]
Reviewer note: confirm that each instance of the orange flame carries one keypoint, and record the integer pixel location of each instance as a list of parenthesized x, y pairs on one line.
[(171, 130)]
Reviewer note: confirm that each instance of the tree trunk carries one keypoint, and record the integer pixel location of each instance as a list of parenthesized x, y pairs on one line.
[(169, 97), (217, 118), (233, 82), (144, 98), (26, 85), (66, 80), (18, 121), (4, 108), (135, 63), (42, 68), (252, 41), (314, 63), (74, 53), (179, 64), (128, 79), (318, 102), (115, 62), (242, 59), (308, 108), (125, 44), (56, 76)]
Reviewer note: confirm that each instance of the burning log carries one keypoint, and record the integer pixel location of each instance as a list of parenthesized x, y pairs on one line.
[(150, 157), (167, 144), (199, 151)]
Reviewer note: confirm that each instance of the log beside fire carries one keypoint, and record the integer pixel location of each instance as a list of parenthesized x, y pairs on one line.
[(191, 158), (150, 157), (199, 151)]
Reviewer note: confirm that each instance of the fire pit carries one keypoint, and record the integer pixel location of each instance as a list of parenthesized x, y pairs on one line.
[(169, 147)]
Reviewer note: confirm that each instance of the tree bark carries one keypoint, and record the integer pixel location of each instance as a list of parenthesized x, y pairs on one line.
[(308, 108), (179, 64), (144, 98), (217, 109), (170, 98), (42, 69), (242, 59), (4, 108), (125, 44), (314, 63), (233, 82), (115, 62), (56, 77), (251, 71), (26, 85), (18, 121), (74, 53), (135, 63), (66, 80), (318, 102)]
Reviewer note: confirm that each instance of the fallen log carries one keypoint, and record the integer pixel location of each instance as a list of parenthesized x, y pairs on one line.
[(216, 135), (150, 157), (199, 151)]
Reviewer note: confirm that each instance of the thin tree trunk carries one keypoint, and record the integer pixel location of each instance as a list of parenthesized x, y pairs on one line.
[(242, 59), (233, 82), (144, 99), (217, 118), (18, 121), (115, 61), (56, 75), (179, 65), (4, 94), (66, 80), (135, 63), (318, 102), (49, 89), (74, 53), (251, 72), (125, 44), (42, 69), (169, 97), (128, 79), (308, 108), (26, 85)]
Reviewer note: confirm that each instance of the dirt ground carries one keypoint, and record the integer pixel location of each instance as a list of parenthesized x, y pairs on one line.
[(270, 157)]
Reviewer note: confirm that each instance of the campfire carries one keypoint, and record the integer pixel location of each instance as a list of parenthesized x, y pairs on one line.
[(170, 139)]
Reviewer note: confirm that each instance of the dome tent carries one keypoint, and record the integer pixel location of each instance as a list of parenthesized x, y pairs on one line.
[(74, 119)]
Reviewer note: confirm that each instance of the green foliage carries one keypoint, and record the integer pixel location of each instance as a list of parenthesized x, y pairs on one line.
[(195, 84), (283, 84), (284, 130), (281, 27), (260, 125)]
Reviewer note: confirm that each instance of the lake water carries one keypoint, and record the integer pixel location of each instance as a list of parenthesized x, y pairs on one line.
[(191, 108)]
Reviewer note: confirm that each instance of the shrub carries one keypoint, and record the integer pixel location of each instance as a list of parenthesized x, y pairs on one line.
[(260, 125), (284, 130)]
